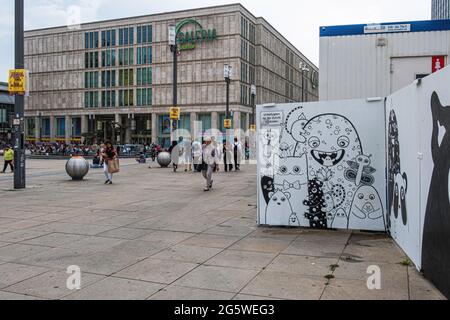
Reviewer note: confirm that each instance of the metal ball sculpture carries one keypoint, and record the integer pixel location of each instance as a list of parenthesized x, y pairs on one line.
[(164, 159), (77, 168)]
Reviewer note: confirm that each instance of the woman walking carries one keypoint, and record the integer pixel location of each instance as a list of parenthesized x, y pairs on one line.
[(108, 154)]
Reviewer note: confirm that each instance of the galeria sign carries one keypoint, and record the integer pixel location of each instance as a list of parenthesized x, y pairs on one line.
[(188, 39)]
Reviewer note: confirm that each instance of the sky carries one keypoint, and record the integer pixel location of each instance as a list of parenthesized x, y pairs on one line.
[(297, 20)]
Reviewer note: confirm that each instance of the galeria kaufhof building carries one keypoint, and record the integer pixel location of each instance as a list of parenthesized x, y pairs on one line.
[(112, 80)]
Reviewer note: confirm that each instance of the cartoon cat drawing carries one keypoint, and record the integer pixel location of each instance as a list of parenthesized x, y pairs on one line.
[(291, 176), (436, 231)]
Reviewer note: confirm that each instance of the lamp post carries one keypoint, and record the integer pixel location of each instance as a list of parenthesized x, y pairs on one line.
[(227, 73), (19, 152), (253, 92), (174, 49), (304, 68)]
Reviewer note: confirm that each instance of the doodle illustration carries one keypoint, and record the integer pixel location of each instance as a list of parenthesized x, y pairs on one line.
[(360, 171), (279, 210), (295, 126), (397, 182), (366, 206), (436, 233), (291, 176), (316, 204), (267, 187)]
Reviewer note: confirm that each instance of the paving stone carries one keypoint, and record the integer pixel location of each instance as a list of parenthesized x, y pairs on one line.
[(72, 228), (11, 273), (182, 293), (186, 253), (8, 296), (217, 278), (21, 235), (51, 285), (314, 249), (286, 286), (54, 239), (211, 241), (341, 289), (242, 259), (168, 237), (17, 251), (159, 271), (246, 297), (391, 254), (125, 233), (261, 245), (303, 265), (116, 289)]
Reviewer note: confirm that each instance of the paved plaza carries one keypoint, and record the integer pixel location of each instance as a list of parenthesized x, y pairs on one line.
[(156, 235)]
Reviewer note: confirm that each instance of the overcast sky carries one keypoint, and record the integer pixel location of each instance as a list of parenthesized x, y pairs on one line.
[(297, 20)]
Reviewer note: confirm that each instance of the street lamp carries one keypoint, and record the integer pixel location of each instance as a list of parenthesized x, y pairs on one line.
[(174, 49), (227, 73), (304, 68), (253, 92)]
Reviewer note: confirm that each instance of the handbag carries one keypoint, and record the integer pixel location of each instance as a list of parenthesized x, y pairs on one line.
[(113, 166)]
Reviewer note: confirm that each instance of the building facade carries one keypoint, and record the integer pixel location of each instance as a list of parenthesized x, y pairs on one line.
[(113, 79), (440, 9), (6, 114), (375, 60)]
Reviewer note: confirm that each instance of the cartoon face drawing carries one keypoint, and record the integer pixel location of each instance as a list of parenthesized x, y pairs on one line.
[(279, 209), (367, 208), (360, 171), (286, 150), (297, 130), (316, 204), (399, 201), (339, 220), (291, 172), (330, 139), (293, 220)]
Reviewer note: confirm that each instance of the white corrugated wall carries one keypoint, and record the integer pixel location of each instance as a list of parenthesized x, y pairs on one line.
[(355, 67)]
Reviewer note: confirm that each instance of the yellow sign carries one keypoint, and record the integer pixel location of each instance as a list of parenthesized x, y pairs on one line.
[(175, 113), (227, 123), (17, 82), (253, 127)]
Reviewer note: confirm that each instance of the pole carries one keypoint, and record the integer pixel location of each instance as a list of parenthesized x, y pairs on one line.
[(303, 86), (228, 97), (254, 109), (19, 152), (174, 49)]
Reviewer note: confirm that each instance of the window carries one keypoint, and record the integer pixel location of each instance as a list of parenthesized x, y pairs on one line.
[(126, 77), (126, 36), (144, 76), (91, 60), (108, 79), (244, 72), (91, 40), (109, 38), (144, 55), (91, 99), (108, 99), (91, 80), (109, 58), (61, 127), (126, 56), (144, 34), (144, 97), (126, 98), (244, 49)]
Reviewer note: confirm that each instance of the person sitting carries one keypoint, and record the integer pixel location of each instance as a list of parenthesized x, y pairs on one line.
[(96, 161)]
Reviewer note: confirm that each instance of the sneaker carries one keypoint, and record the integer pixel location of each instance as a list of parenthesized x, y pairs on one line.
[(206, 189), (110, 182), (211, 185), (107, 181)]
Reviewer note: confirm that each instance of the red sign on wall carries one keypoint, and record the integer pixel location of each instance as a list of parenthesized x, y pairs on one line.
[(438, 63)]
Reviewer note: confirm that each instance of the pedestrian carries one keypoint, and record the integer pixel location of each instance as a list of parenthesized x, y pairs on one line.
[(227, 156), (174, 151), (197, 155), (237, 154), (210, 163), (108, 154), (187, 155), (8, 156)]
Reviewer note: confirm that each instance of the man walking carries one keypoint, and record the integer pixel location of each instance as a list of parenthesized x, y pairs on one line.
[(237, 154), (9, 159), (210, 163)]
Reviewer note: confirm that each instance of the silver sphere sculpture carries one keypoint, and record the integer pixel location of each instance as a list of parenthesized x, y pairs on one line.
[(164, 159), (77, 168)]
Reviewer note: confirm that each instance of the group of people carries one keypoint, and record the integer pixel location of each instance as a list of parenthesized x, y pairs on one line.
[(206, 157), (61, 149)]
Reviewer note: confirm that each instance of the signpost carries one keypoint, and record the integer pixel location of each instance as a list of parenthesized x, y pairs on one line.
[(17, 85)]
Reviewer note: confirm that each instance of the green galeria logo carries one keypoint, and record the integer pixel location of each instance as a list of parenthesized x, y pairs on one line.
[(188, 39)]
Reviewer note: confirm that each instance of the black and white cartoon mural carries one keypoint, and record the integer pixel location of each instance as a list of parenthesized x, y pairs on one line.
[(320, 162), (397, 181), (436, 230), (366, 205)]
